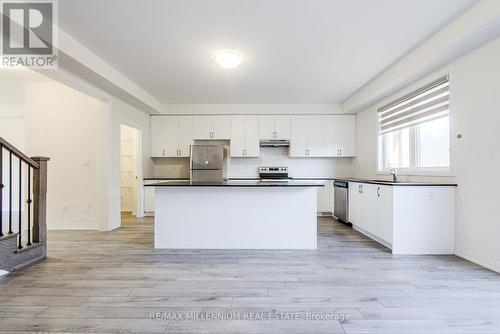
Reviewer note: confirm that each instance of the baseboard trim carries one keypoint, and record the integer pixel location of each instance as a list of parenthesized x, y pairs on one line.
[(71, 226), (478, 262)]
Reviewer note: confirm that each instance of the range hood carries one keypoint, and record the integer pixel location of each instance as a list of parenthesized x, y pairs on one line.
[(275, 143)]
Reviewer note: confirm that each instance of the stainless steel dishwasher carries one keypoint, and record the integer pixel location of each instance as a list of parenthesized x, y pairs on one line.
[(341, 202)]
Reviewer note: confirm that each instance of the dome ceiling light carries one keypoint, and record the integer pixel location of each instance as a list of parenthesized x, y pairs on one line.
[(228, 58)]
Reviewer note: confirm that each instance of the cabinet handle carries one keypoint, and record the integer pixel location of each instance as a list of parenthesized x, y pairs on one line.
[(378, 191)]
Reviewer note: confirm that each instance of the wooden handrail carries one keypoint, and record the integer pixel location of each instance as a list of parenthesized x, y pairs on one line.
[(17, 153)]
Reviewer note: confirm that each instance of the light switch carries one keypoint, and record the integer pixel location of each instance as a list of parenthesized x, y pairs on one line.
[(86, 162)]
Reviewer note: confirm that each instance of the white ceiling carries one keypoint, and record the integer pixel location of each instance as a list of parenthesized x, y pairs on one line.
[(296, 51)]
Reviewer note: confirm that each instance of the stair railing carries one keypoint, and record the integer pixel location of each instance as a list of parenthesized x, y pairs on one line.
[(31, 200)]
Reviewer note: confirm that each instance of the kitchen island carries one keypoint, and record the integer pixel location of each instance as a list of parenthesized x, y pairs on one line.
[(235, 214)]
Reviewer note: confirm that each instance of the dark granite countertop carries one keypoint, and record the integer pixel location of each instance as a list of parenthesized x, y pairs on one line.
[(235, 183), (399, 183)]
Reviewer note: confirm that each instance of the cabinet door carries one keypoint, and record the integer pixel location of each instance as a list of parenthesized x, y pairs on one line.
[(282, 127), (346, 135), (298, 136), (330, 134), (157, 136), (332, 199), (237, 147), (149, 199), (323, 196), (315, 136), (385, 199), (221, 127), (266, 127), (202, 127), (354, 203), (252, 143), (368, 218), (185, 135), (171, 136)]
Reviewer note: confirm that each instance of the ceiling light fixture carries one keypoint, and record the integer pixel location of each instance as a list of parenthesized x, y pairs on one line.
[(228, 58)]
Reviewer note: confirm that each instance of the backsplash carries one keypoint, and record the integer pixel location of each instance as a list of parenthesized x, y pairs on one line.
[(248, 167)]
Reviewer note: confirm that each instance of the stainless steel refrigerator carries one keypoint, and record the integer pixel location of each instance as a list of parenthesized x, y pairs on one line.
[(208, 163)]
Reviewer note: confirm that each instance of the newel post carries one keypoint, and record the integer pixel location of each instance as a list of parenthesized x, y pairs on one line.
[(40, 200)]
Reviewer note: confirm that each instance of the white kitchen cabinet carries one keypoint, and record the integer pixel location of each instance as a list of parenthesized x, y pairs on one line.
[(202, 127), (354, 202), (315, 136), (212, 127), (149, 201), (171, 136), (245, 137), (407, 219), (185, 139), (339, 135), (158, 139), (306, 136), (298, 136), (332, 196), (275, 127), (323, 197)]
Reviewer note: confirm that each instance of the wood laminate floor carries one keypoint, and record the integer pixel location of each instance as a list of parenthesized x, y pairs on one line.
[(114, 281)]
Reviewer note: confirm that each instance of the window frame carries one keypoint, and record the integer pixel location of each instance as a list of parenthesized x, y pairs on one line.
[(413, 170)]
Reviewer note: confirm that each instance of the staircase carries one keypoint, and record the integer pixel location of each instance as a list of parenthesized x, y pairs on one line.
[(23, 188)]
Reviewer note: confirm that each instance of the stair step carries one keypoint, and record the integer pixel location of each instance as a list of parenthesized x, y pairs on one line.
[(30, 247), (8, 236)]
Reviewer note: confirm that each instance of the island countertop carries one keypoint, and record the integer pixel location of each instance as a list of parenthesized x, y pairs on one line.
[(235, 183)]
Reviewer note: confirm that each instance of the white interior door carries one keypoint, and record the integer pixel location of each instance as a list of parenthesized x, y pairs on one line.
[(130, 170)]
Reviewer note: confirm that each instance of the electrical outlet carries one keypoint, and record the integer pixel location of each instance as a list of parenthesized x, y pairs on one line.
[(430, 196), (65, 208), (87, 207)]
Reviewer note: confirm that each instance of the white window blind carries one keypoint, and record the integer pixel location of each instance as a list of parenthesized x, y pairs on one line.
[(422, 105)]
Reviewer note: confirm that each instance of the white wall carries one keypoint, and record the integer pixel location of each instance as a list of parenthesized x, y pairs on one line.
[(475, 113), (117, 113), (81, 135)]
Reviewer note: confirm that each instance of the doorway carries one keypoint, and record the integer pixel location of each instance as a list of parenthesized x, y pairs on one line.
[(130, 171)]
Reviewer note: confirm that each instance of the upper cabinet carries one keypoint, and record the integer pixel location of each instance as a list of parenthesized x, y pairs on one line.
[(275, 127), (245, 137), (323, 136), (171, 136), (212, 127), (310, 135), (339, 135)]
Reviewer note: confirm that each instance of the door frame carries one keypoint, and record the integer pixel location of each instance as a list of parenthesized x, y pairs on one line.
[(137, 208)]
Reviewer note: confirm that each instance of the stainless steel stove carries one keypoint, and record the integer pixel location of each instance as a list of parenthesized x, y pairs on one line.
[(274, 174)]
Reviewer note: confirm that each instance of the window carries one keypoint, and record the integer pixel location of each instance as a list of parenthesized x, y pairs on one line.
[(414, 131)]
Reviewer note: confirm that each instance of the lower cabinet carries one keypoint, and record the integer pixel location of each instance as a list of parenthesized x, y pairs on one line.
[(407, 219), (324, 193), (149, 201)]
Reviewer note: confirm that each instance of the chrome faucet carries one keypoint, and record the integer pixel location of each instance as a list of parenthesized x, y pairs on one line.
[(394, 174)]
